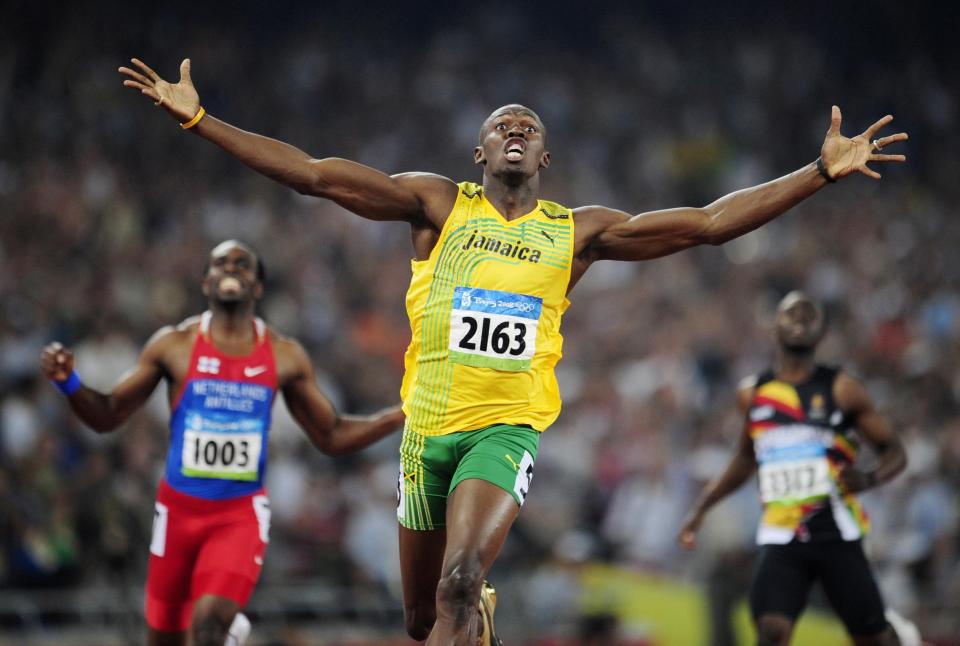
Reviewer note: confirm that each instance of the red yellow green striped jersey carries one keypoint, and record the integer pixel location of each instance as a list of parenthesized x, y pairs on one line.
[(801, 440)]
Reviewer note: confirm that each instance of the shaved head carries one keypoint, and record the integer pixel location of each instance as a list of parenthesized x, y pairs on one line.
[(800, 323), (794, 297), (510, 108), (224, 247)]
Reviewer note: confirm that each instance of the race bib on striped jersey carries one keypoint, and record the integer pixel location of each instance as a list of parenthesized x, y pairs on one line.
[(794, 481), (494, 329), (793, 466)]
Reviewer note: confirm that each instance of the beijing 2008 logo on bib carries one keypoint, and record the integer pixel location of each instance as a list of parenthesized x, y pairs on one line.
[(793, 466), (494, 329)]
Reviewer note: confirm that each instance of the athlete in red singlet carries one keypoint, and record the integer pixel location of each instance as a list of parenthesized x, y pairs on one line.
[(212, 514)]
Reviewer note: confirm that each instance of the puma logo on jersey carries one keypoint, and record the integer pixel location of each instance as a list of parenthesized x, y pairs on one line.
[(209, 365), (253, 372), (547, 236)]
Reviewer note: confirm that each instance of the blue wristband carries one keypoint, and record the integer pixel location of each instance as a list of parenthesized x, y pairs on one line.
[(70, 386)]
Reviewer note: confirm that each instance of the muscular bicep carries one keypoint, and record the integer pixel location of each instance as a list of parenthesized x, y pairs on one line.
[(370, 193), (744, 398), (617, 235), (854, 400)]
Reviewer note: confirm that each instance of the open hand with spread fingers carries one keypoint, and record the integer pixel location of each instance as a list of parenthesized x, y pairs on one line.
[(842, 156), (180, 100)]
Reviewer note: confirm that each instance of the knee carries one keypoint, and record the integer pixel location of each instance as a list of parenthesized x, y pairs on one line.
[(458, 589), (419, 619), (773, 631)]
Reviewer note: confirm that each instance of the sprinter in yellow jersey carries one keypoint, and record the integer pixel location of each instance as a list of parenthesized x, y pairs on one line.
[(494, 264), (803, 423)]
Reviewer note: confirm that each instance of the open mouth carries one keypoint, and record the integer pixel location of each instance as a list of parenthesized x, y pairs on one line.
[(798, 331), (230, 284), (515, 149)]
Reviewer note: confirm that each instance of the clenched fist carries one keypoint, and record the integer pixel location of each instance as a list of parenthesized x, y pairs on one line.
[(56, 362)]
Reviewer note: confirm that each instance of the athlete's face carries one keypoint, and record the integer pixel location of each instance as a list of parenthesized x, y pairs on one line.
[(512, 144), (799, 323), (232, 274)]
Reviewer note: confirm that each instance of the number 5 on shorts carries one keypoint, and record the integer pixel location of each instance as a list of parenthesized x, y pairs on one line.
[(521, 485)]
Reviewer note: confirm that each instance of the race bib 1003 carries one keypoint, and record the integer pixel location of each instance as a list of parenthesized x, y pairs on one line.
[(493, 329), (224, 450)]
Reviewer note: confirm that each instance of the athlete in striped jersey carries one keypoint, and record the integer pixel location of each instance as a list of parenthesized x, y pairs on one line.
[(212, 515), (802, 429), (494, 264)]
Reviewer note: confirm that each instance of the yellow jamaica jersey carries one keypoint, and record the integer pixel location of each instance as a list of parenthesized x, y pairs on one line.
[(801, 440), (484, 313)]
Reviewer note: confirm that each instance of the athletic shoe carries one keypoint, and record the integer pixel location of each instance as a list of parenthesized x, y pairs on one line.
[(906, 630), (239, 630), (488, 603)]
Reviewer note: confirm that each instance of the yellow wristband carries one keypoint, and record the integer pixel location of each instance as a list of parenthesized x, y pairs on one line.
[(195, 120)]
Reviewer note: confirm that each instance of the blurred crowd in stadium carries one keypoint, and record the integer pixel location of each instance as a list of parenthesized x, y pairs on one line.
[(109, 211)]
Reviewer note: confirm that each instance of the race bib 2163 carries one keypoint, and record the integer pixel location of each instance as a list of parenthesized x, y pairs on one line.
[(493, 329)]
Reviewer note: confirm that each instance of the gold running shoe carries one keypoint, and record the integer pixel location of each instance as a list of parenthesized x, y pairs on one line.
[(488, 603)]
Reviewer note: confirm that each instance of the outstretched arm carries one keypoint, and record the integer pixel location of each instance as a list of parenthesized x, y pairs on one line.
[(367, 192), (854, 400), (620, 236), (741, 466), (333, 434), (103, 412)]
